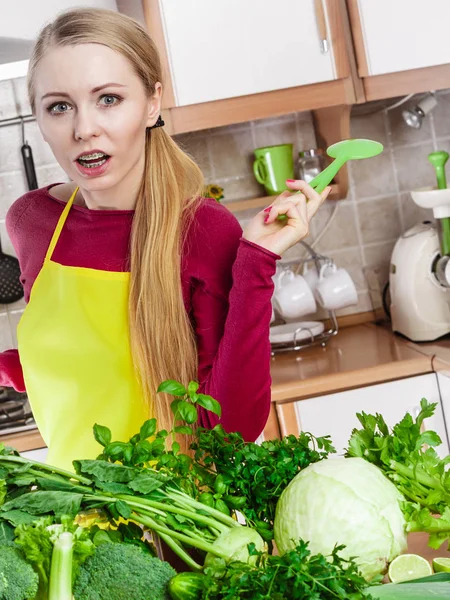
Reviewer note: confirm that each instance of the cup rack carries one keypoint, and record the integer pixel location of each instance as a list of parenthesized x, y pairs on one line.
[(314, 340)]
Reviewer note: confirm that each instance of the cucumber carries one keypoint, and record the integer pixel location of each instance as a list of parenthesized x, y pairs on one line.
[(187, 586)]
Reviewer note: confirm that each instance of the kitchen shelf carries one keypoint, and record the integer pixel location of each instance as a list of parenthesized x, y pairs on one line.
[(240, 205)]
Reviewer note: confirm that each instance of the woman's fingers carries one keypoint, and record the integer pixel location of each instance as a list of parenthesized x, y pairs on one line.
[(314, 204)]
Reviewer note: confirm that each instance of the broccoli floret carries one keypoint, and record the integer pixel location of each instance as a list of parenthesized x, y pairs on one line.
[(122, 571), (18, 581)]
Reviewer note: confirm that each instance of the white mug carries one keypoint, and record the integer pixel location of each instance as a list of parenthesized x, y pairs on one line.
[(294, 297), (335, 288), (311, 276)]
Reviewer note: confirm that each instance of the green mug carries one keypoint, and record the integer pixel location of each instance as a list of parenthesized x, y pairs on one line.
[(273, 165)]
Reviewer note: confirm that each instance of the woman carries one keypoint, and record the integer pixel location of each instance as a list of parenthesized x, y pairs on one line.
[(131, 277)]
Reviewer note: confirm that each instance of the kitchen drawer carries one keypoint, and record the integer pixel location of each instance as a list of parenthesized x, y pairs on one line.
[(40, 454), (335, 414)]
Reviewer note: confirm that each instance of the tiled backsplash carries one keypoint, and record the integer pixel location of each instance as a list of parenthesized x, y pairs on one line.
[(365, 225)]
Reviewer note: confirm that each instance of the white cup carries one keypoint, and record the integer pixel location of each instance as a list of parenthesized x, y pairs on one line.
[(335, 288), (293, 297), (311, 276)]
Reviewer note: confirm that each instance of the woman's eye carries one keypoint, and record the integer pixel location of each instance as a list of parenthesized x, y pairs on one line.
[(58, 108), (110, 100)]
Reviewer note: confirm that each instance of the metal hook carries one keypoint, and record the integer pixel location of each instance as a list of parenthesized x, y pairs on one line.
[(22, 122)]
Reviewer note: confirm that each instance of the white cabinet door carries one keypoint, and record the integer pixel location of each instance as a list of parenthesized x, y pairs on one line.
[(444, 389), (335, 414), (225, 48), (24, 19), (400, 35)]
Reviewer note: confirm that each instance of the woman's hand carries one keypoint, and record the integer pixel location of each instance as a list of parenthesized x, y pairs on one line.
[(277, 236)]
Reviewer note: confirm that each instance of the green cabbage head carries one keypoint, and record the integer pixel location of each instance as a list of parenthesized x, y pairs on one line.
[(343, 501)]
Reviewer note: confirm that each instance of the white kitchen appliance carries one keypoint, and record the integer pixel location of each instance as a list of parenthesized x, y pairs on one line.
[(419, 277)]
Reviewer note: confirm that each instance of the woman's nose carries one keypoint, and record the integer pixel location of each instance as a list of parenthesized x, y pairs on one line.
[(85, 125)]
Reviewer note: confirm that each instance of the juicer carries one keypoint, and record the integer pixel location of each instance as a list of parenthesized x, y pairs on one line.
[(419, 278)]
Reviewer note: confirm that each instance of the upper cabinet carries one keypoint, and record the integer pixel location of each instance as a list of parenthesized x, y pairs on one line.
[(228, 48), (392, 36), (20, 23)]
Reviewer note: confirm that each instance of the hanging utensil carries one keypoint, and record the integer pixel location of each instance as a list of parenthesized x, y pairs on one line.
[(11, 289), (28, 162), (342, 152)]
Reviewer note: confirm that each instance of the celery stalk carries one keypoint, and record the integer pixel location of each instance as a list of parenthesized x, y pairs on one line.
[(60, 587)]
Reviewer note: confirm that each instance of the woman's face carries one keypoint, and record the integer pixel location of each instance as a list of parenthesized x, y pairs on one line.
[(90, 100)]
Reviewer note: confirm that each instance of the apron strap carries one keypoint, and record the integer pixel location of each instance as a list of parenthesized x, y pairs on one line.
[(60, 225)]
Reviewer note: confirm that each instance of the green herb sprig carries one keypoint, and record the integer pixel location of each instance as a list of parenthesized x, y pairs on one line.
[(296, 574)]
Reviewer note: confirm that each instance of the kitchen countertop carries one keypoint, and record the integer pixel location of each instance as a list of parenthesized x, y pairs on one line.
[(358, 356)]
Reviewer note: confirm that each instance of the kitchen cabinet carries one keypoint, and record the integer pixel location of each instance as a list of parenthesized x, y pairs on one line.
[(401, 47), (397, 36), (20, 24), (335, 414), (230, 48), (230, 61), (39, 454), (444, 390)]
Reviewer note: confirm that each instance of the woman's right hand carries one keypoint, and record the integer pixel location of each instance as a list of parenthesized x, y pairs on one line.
[(278, 236)]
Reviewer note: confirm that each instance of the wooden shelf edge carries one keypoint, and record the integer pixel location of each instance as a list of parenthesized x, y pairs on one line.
[(239, 205)]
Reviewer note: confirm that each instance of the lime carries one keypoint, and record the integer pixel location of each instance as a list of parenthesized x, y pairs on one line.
[(408, 566), (441, 565)]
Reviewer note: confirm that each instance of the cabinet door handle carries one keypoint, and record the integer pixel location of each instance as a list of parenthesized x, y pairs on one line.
[(321, 25)]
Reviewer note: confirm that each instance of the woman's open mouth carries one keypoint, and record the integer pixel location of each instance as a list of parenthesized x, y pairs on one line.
[(93, 164)]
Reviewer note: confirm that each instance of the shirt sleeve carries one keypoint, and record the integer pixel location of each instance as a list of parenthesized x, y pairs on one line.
[(11, 374), (231, 311)]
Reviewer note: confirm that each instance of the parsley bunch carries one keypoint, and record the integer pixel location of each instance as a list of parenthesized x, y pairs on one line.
[(297, 574), (252, 477)]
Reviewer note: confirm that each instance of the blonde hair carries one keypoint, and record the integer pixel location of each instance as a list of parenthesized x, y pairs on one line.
[(162, 339)]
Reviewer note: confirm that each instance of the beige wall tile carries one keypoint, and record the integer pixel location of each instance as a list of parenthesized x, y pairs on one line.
[(413, 214), (10, 143), (7, 104), (373, 177), (20, 88), (196, 145), (12, 186), (306, 132), (278, 131), (413, 169), (232, 152), (400, 133), (351, 260), (379, 254), (441, 116), (342, 232), (379, 219), (240, 188), (371, 126)]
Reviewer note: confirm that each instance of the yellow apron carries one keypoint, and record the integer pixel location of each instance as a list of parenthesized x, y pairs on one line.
[(75, 352)]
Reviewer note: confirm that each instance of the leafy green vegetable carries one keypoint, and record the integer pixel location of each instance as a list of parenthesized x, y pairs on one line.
[(410, 591), (417, 471), (187, 586), (18, 581), (343, 501), (37, 542), (60, 586), (297, 574), (251, 477), (121, 572)]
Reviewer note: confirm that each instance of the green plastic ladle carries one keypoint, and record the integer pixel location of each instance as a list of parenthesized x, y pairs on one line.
[(342, 152)]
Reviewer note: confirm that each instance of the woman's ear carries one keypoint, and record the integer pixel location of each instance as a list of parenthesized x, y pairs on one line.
[(154, 105)]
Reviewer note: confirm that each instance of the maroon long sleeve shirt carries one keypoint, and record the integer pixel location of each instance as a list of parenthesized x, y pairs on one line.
[(226, 282)]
